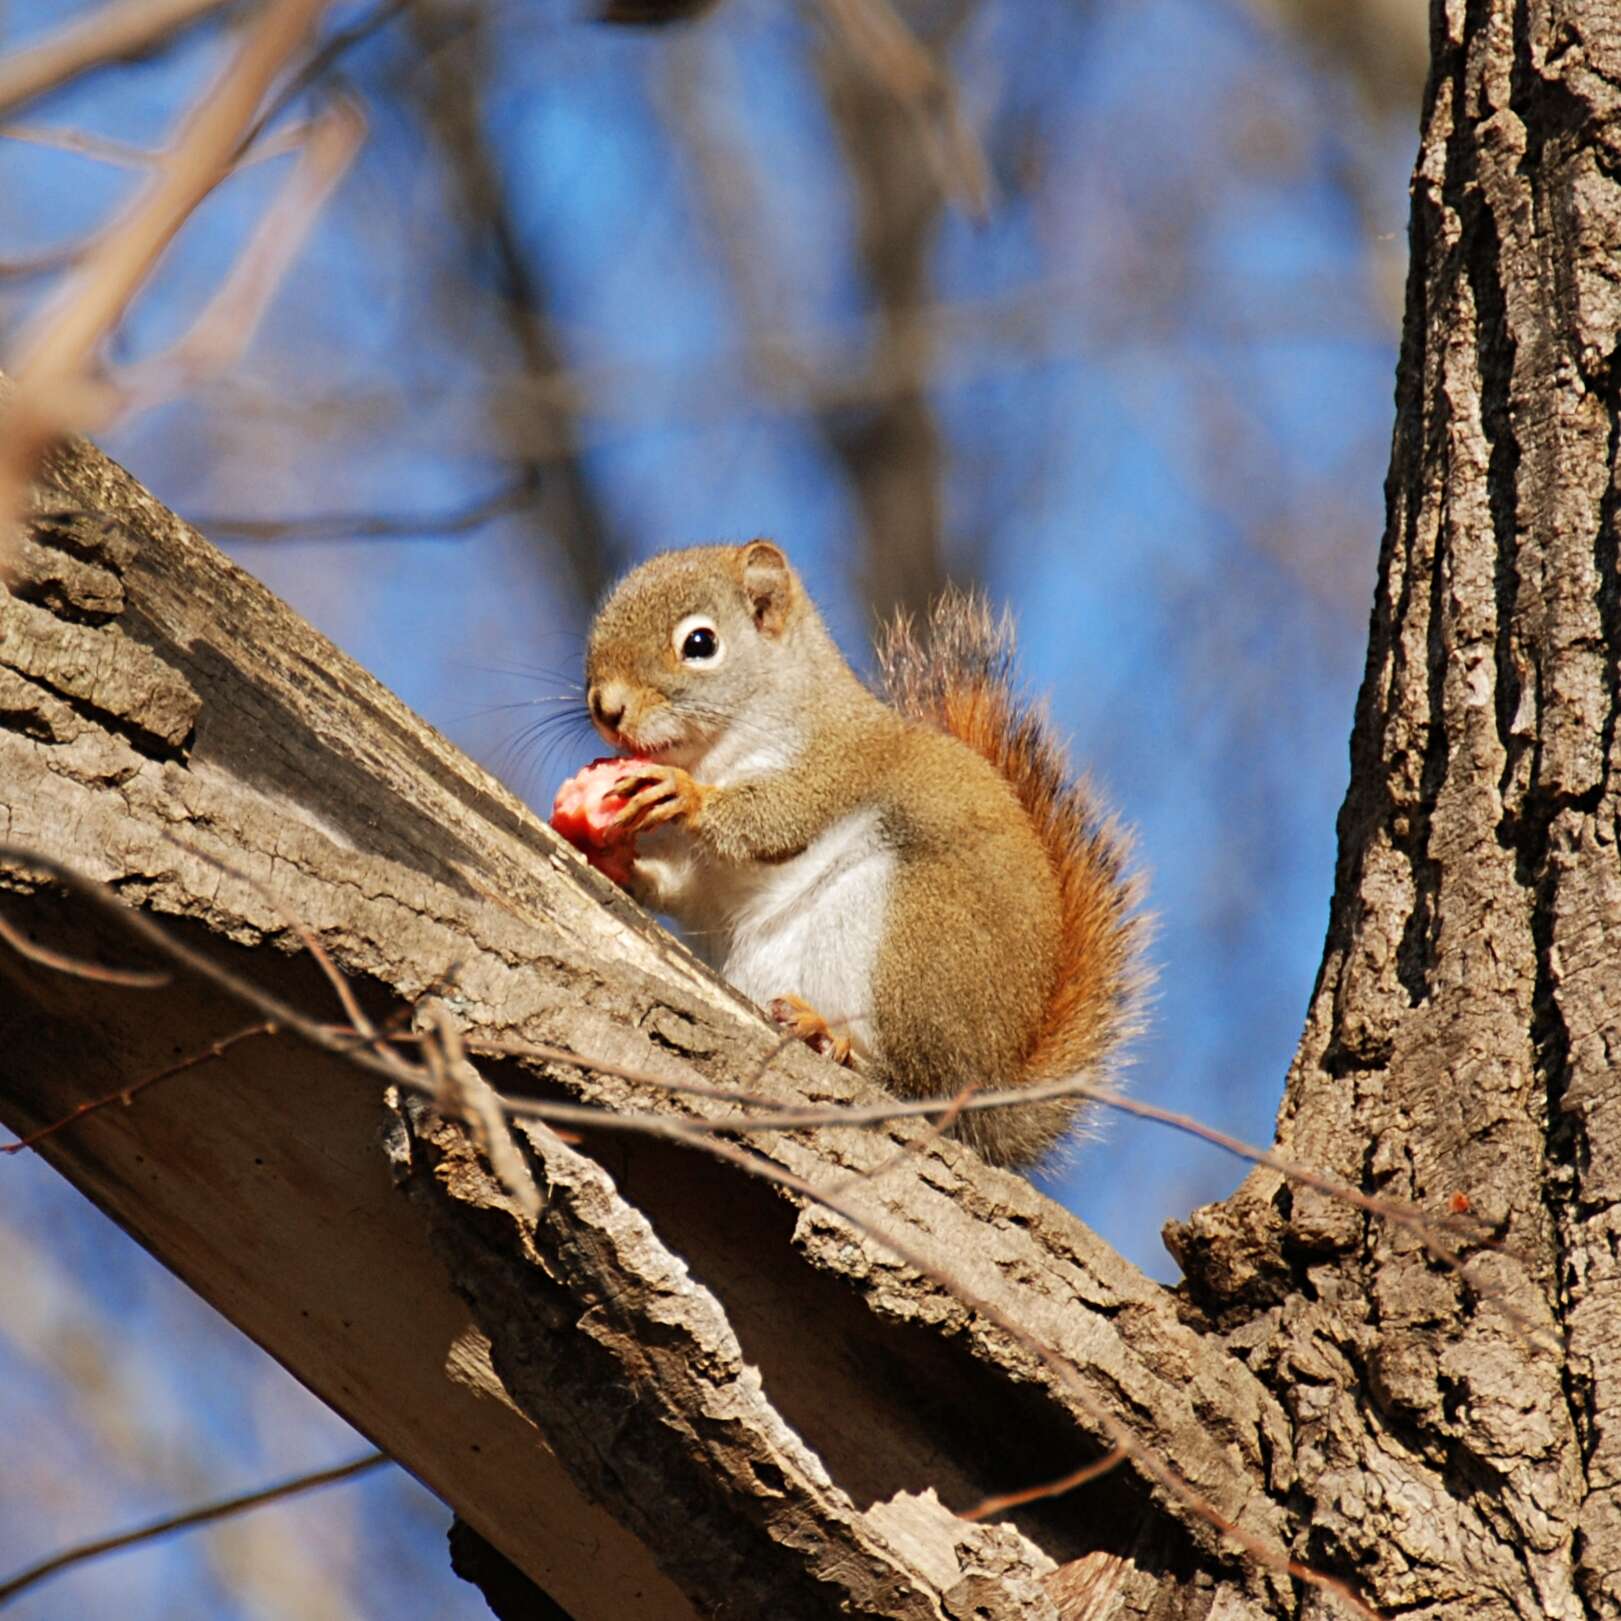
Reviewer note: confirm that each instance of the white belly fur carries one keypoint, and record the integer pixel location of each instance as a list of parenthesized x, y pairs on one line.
[(807, 927)]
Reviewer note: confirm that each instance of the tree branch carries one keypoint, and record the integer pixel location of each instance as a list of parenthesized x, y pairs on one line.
[(181, 739)]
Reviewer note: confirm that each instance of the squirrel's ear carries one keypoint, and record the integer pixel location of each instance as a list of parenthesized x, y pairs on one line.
[(768, 583)]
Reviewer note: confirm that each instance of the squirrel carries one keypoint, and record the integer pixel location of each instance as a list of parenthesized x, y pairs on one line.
[(921, 876)]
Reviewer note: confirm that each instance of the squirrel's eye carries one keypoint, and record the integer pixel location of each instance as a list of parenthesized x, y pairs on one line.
[(697, 640)]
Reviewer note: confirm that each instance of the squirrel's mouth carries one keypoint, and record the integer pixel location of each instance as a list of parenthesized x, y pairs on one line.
[(650, 741), (622, 743), (642, 724)]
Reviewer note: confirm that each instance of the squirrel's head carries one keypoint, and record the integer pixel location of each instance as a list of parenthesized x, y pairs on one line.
[(694, 643)]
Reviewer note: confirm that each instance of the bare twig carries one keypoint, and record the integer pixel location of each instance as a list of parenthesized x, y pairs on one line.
[(117, 30), (125, 1094), (913, 1146), (341, 1040), (1053, 1488), (139, 979), (58, 388), (379, 1059), (225, 327), (190, 1520)]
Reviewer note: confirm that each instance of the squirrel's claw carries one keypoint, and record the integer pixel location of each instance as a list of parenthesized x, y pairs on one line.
[(656, 794), (801, 1021)]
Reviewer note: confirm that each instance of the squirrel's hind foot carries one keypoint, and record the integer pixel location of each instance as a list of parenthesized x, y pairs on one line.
[(801, 1021)]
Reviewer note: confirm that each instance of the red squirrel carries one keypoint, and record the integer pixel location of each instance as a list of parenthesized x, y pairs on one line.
[(917, 886)]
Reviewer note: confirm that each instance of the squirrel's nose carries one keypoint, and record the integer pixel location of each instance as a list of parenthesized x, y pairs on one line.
[(607, 709)]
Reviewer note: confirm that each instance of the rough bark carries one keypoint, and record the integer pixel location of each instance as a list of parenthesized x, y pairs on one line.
[(1458, 1050)]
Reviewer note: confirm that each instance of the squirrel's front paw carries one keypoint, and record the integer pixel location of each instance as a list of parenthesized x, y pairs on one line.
[(656, 794)]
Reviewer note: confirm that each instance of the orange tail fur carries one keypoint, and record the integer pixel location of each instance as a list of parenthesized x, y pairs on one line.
[(960, 679)]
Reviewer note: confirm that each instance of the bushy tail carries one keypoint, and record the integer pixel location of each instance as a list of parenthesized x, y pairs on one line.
[(960, 678)]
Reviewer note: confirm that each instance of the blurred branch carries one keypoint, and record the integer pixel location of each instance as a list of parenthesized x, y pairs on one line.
[(653, 13), (83, 144), (83, 1552), (779, 370), (890, 450), (1381, 48), (556, 486), (880, 42), (218, 335), (118, 30), (1382, 45), (125, 156), (45, 263), (876, 419), (59, 387), (333, 49), (374, 525)]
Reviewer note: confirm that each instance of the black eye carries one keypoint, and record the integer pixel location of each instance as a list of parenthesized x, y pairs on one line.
[(696, 641)]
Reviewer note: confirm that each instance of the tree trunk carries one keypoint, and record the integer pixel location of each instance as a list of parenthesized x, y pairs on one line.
[(1458, 1048), (679, 1389)]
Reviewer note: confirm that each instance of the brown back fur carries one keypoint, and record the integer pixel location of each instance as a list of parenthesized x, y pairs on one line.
[(960, 679)]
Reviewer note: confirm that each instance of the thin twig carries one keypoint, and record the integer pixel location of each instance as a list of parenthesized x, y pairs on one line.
[(58, 386), (335, 977), (914, 1145), (338, 1039), (138, 979), (1053, 1488), (190, 1520), (125, 1094), (116, 31), (383, 1062)]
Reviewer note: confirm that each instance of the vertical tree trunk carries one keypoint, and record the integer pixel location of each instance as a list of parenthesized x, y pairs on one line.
[(1458, 1051)]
